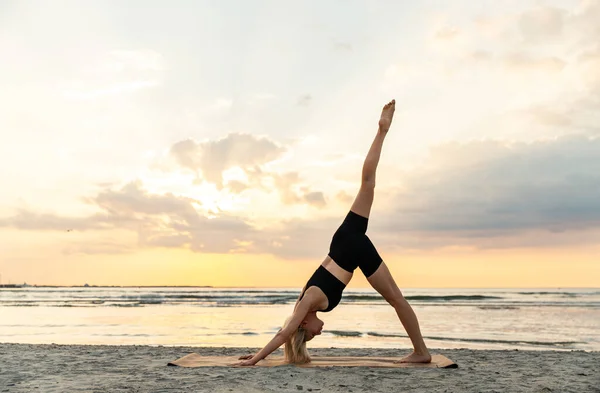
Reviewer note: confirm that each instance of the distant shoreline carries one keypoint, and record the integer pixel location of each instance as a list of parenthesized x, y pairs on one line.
[(103, 286), (261, 287)]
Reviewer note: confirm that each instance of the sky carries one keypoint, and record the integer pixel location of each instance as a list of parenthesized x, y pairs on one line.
[(221, 142)]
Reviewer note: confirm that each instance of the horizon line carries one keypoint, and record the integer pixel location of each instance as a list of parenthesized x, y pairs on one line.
[(265, 287)]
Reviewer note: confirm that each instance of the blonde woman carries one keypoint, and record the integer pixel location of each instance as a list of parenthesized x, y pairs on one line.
[(350, 248)]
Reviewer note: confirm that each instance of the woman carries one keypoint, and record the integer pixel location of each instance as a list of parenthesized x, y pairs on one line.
[(350, 248)]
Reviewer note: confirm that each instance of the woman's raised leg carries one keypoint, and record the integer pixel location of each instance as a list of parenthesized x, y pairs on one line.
[(364, 200)]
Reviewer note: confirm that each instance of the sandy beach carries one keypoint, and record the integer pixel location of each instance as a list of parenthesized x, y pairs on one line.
[(103, 368)]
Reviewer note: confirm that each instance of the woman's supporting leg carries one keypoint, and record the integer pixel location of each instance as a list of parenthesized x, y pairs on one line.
[(364, 200), (383, 282)]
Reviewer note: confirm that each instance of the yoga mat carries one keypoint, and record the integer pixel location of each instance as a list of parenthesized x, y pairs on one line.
[(196, 360)]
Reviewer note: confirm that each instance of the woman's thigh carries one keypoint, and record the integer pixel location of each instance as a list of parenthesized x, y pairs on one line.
[(367, 256), (383, 282)]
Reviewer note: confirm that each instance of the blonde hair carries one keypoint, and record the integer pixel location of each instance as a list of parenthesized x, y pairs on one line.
[(294, 349)]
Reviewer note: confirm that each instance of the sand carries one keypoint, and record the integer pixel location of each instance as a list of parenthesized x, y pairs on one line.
[(103, 368)]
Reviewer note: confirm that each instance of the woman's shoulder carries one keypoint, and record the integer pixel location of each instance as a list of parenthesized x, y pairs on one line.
[(315, 297)]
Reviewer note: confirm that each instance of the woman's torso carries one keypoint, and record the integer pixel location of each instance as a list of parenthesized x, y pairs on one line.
[(335, 269), (327, 287), (335, 272)]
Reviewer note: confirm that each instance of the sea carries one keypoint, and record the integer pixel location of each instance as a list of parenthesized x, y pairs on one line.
[(525, 319)]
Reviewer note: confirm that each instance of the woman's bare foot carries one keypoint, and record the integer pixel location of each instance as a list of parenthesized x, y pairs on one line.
[(415, 358), (386, 116)]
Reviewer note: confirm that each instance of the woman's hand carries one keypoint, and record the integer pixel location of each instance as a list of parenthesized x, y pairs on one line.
[(245, 357), (245, 363)]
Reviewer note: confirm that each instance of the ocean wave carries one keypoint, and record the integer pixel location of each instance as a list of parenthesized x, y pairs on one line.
[(226, 297), (252, 303), (151, 302), (425, 298), (241, 334), (132, 297), (452, 297), (345, 333), (562, 294), (363, 297), (548, 293), (498, 307), (513, 342), (375, 334), (487, 341)]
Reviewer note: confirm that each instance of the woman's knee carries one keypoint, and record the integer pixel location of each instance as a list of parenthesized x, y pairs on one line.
[(396, 299)]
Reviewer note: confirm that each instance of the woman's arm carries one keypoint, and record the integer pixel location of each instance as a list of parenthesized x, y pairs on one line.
[(283, 335), (246, 357), (298, 300)]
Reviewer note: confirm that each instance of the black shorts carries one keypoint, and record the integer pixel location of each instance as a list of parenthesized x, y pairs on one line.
[(351, 247)]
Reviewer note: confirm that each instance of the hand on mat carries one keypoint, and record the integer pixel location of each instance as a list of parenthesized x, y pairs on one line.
[(245, 357), (248, 362)]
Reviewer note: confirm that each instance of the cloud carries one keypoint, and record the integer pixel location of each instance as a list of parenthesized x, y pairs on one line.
[(493, 26), (298, 238), (342, 47), (259, 98), (163, 220), (573, 27), (113, 89), (237, 186), (127, 208), (585, 19), (305, 100), (549, 116), (221, 104), (447, 33), (116, 73), (171, 221), (27, 220), (284, 184), (137, 60), (315, 198), (573, 110), (480, 55), (527, 63), (589, 66), (478, 194), (211, 158), (132, 199), (99, 247), (491, 189), (540, 66), (249, 153), (344, 197), (290, 191), (542, 22)]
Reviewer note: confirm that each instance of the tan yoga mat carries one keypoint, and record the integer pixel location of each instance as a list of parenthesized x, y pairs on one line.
[(196, 360)]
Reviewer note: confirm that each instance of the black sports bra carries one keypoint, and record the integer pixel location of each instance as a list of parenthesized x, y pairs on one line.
[(329, 284)]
